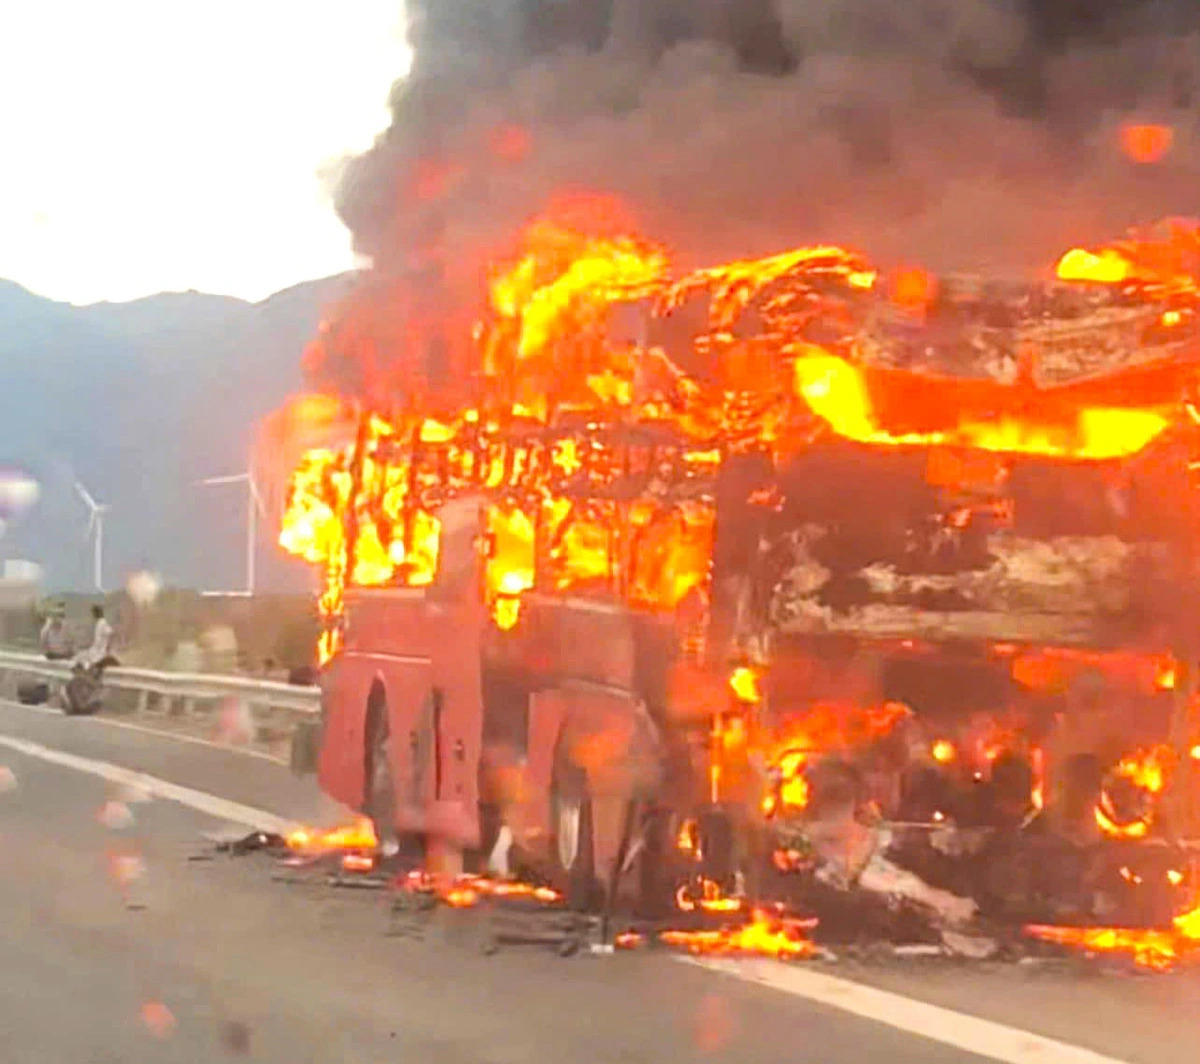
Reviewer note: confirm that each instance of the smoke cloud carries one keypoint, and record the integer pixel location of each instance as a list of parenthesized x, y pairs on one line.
[(961, 134)]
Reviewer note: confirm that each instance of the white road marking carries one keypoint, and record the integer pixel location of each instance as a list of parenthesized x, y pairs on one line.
[(201, 801), (985, 1038), (972, 1034), (180, 737)]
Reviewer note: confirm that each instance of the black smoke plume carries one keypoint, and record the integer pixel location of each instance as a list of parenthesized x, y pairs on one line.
[(957, 133)]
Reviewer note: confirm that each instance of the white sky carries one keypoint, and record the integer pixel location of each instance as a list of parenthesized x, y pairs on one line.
[(157, 145)]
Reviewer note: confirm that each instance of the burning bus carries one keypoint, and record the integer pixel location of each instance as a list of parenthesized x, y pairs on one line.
[(682, 586)]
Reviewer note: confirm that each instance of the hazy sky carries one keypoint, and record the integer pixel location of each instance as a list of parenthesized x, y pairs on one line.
[(151, 145)]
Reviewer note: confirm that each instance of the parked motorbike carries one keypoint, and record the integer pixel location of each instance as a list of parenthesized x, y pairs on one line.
[(82, 695)]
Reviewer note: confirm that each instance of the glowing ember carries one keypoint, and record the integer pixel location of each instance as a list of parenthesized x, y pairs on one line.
[(508, 888), (1167, 676), (743, 681), (357, 862), (1038, 797), (765, 934), (466, 891), (687, 841), (460, 897), (1146, 143), (710, 900), (943, 751)]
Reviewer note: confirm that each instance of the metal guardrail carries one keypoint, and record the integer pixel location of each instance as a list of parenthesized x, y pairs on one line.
[(179, 694)]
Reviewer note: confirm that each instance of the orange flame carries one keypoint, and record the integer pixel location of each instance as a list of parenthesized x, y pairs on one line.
[(357, 836), (1154, 949), (913, 289), (823, 728), (464, 892), (943, 751), (764, 934), (540, 424), (743, 681), (1147, 768), (711, 899), (357, 862)]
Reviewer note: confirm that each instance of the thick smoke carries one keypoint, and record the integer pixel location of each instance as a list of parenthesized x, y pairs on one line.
[(962, 134)]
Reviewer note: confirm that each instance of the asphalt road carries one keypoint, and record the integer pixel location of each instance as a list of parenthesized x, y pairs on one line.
[(199, 961)]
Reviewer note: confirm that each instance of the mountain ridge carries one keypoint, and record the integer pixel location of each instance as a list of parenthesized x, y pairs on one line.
[(138, 400)]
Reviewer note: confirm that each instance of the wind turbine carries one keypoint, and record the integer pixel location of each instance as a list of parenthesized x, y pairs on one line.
[(254, 507), (95, 529)]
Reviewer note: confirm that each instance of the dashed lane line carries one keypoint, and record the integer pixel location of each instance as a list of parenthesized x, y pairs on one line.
[(159, 733), (972, 1034), (201, 801)]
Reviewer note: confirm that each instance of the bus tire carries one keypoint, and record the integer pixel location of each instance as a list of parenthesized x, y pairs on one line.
[(379, 788), (572, 853)]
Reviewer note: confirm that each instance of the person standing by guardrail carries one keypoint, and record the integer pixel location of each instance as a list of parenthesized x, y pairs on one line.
[(99, 655), (82, 694), (55, 640)]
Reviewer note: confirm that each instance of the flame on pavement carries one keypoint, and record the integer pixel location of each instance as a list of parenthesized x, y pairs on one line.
[(357, 836), (765, 933), (1154, 949)]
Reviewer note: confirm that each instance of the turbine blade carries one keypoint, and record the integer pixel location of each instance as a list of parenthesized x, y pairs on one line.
[(85, 495), (256, 495)]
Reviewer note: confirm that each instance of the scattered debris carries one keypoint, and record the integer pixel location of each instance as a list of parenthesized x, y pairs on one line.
[(253, 843)]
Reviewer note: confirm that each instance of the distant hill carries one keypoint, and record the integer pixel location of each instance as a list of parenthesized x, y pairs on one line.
[(138, 401)]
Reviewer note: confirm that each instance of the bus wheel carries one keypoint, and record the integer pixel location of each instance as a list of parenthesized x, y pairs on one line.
[(572, 855), (379, 798)]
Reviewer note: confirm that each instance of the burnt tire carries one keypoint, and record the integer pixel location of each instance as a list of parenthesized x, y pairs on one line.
[(657, 867)]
